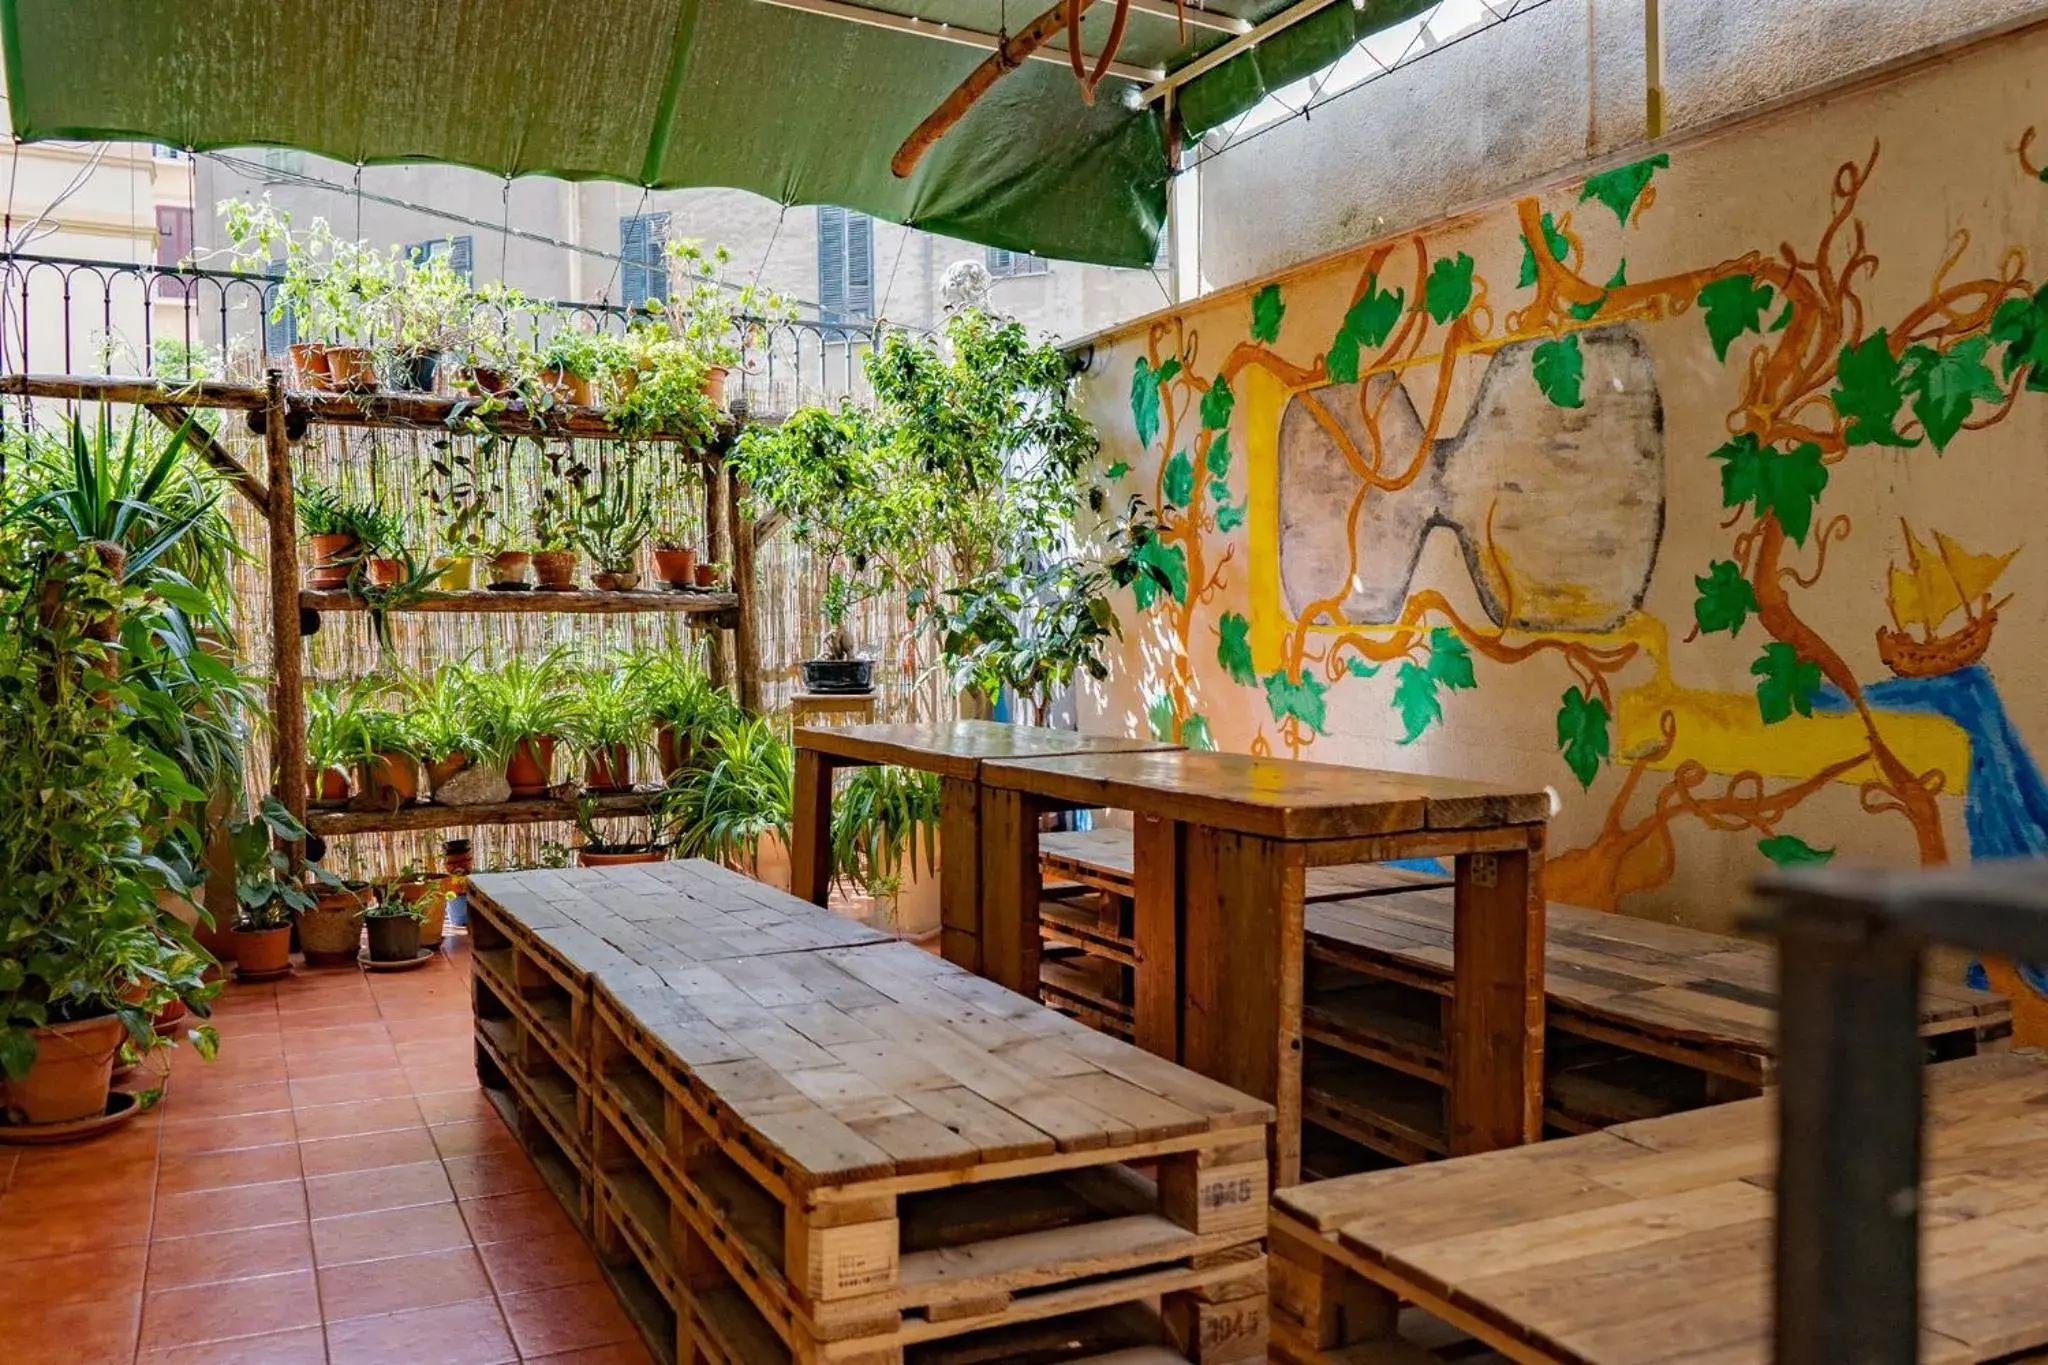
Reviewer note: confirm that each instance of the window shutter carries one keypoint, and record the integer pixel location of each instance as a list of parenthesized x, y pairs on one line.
[(173, 245), (831, 262), (462, 257), (643, 269), (279, 334), (418, 252), (860, 265), (999, 262)]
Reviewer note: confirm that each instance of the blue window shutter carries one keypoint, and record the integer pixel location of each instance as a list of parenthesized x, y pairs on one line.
[(831, 262), (284, 331), (860, 265), (999, 261), (643, 267), (462, 257)]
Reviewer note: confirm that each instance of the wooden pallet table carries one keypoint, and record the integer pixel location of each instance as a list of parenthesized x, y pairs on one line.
[(1221, 851), (955, 752), (1652, 1242), (799, 1141)]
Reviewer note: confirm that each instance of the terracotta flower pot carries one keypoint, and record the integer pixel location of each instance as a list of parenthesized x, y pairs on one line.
[(72, 1072), (352, 369), (262, 952), (458, 574), (491, 383), (331, 932), (328, 787), (445, 767), (533, 759), (673, 750), (707, 575), (331, 553), (616, 582), (309, 363), (430, 896), (555, 569), (714, 385), (386, 573), (609, 770), (394, 938), (510, 566), (567, 387), (677, 568), (391, 780), (586, 858), (168, 1018)]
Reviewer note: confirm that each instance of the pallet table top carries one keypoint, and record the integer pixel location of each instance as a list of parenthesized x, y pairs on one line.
[(1652, 1241), (1106, 858), (1275, 798), (959, 748)]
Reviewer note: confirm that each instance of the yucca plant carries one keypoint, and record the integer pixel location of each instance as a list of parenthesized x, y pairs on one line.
[(102, 489), (741, 793), (882, 817)]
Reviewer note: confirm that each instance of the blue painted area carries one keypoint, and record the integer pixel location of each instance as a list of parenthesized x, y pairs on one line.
[(2005, 800), (1432, 867)]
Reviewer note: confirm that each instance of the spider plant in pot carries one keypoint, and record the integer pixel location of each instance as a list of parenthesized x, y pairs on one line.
[(554, 542), (520, 708), (605, 724), (329, 525), (439, 716), (380, 534), (387, 761), (734, 806), (599, 850), (334, 719), (885, 842), (681, 701), (394, 924), (611, 526)]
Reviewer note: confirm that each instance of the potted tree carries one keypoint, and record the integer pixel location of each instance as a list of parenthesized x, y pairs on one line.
[(605, 723), (521, 708), (611, 526)]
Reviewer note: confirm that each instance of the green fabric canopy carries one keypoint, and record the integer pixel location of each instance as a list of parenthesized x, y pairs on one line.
[(800, 107)]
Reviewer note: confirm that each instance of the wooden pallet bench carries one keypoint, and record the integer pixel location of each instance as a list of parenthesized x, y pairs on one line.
[(798, 1141), (1652, 1242)]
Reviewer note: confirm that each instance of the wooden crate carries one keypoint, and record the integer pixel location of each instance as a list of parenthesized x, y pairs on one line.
[(862, 1204), (547, 1111)]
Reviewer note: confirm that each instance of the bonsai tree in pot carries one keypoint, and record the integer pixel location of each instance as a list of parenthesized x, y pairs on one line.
[(611, 526), (605, 723), (521, 708)]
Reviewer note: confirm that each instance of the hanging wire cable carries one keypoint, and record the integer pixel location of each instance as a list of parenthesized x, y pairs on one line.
[(882, 309), (619, 261), (781, 214), (504, 227)]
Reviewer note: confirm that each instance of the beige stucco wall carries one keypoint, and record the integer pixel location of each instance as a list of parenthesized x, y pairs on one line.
[(1456, 563)]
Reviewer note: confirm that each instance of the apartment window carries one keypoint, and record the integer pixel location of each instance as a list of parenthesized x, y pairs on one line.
[(173, 245), (1006, 264), (846, 265), (459, 252), (643, 259), (284, 160), (164, 153)]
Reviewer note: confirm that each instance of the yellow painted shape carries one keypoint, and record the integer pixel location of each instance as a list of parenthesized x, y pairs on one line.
[(1262, 398)]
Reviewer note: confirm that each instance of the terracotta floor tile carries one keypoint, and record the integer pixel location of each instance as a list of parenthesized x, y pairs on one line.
[(358, 1117), (239, 1206), (83, 1224), (7, 1160), (77, 1278), (445, 1107), (178, 1262), (457, 1074), (471, 1333), (328, 1016), (386, 1187), (181, 1106), (504, 1217), (566, 1319), (400, 1147), (372, 1288), (222, 1135), (220, 1170), (66, 1334), (485, 1137), (453, 1029), (618, 1353), (228, 1072), (51, 1190), (349, 1087), (391, 1232), (335, 1038), (346, 1061), (540, 1262), (118, 1156), (237, 1308), (305, 1346), (474, 1177), (449, 1006)]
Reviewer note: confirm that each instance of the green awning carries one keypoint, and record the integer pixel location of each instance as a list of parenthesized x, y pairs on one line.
[(801, 107)]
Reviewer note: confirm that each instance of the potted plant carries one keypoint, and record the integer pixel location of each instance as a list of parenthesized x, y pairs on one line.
[(260, 238), (570, 363), (427, 893), (681, 701), (438, 719), (394, 926), (611, 526), (734, 806), (267, 896), (519, 709), (710, 577), (885, 842), (331, 929), (667, 392), (714, 320), (351, 298), (329, 525), (596, 850), (387, 760), (606, 721), (554, 543), (380, 540), (334, 740), (431, 306), (509, 565)]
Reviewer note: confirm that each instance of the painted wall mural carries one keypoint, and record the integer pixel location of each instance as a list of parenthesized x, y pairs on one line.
[(1700, 489)]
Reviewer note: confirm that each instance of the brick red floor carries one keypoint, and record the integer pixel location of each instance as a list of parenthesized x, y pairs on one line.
[(333, 1188)]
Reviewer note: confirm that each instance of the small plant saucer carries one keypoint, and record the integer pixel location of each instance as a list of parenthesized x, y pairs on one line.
[(419, 959), (257, 978), (121, 1107)]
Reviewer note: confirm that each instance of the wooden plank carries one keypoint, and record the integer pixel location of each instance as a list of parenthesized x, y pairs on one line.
[(427, 815), (958, 748), (810, 829), (575, 601), (1009, 891), (960, 872), (1155, 929), (1494, 1044)]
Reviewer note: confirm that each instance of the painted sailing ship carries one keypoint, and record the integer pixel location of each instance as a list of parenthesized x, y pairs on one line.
[(1935, 586)]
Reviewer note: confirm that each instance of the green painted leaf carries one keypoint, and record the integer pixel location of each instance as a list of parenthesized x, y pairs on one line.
[(1117, 470), (1415, 699), (1450, 662), (1145, 401), (1372, 318), (1785, 483), (1869, 390), (1301, 698), (1559, 245), (1946, 384), (1586, 312), (1159, 718), (1219, 455), (1732, 306), (1179, 484), (1217, 401), (1234, 648), (1164, 567), (1359, 668), (1786, 682), (1784, 318), (1560, 368), (1621, 187), (1582, 734), (1789, 850), (1267, 310), (1726, 601), (1228, 516), (1341, 364), (2021, 326), (1194, 733), (1448, 291)]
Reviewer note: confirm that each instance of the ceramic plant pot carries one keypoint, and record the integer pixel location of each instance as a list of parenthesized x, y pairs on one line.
[(609, 770), (390, 780), (331, 556), (72, 1072), (394, 938), (555, 570), (714, 385), (677, 568), (441, 769), (263, 952), (309, 363), (533, 759), (616, 582), (707, 575), (416, 372), (385, 573), (567, 387), (489, 382), (673, 750), (352, 369), (429, 895), (510, 566), (458, 574), (331, 933), (328, 787), (587, 858), (842, 677)]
